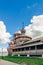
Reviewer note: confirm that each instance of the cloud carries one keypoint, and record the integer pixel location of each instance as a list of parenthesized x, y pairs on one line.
[(35, 29), (4, 50), (4, 35), (34, 5), (28, 7)]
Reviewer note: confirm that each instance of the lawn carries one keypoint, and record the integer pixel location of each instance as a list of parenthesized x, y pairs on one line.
[(25, 60)]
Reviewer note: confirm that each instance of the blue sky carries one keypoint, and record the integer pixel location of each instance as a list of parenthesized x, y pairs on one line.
[(14, 12)]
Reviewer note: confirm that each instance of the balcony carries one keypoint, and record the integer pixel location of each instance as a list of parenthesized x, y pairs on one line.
[(30, 52)]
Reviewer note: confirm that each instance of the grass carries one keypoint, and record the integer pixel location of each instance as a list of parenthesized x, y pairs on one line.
[(26, 60)]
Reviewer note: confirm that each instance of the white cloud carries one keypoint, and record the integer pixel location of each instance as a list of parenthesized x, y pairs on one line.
[(4, 35), (35, 29), (4, 50)]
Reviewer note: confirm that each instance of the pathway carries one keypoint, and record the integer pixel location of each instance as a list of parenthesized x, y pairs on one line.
[(3, 62)]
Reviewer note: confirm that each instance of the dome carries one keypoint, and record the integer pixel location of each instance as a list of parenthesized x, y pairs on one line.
[(18, 31)]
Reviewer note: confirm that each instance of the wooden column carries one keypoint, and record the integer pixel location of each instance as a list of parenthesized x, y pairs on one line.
[(35, 50)]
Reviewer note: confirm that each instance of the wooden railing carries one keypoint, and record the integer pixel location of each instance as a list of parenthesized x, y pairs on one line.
[(29, 52)]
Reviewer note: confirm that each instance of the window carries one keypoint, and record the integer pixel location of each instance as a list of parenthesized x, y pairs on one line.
[(39, 46), (32, 47), (18, 49), (22, 49), (27, 48)]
